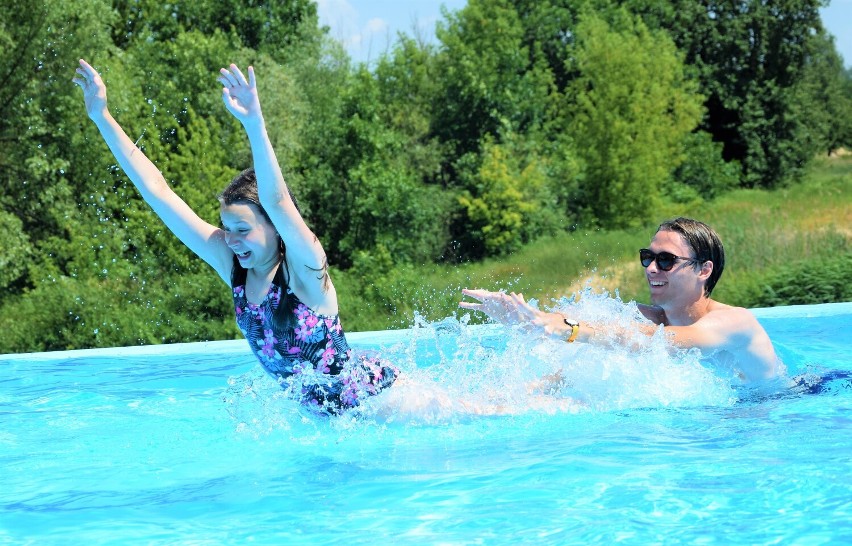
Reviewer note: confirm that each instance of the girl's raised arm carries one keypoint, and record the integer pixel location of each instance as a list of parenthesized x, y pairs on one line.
[(305, 254), (206, 240)]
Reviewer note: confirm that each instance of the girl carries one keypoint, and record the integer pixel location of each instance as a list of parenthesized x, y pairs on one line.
[(285, 302)]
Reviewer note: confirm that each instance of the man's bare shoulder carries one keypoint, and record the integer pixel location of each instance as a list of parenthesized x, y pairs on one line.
[(732, 316), (746, 340)]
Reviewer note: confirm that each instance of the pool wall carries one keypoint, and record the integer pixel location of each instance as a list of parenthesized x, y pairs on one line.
[(380, 338)]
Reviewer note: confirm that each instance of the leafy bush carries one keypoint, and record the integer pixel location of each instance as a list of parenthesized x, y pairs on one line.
[(632, 106), (70, 313), (703, 171), (825, 280), (507, 201)]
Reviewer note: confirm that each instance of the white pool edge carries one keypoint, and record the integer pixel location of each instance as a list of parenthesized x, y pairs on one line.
[(362, 339)]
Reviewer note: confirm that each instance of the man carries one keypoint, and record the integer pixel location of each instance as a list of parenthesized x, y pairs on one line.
[(682, 265)]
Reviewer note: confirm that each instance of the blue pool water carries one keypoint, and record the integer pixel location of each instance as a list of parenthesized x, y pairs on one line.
[(190, 444)]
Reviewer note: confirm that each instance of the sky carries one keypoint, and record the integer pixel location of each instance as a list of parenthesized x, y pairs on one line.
[(367, 28)]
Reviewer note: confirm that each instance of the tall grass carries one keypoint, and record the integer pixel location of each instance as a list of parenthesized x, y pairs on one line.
[(768, 233), (769, 237)]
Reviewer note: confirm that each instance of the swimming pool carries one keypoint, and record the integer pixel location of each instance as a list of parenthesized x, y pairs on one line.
[(187, 444)]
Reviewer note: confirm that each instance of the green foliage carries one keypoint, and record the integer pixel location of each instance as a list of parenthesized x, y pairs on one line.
[(387, 208), (74, 313), (364, 188), (37, 112), (548, 35), (506, 203), (845, 136), (824, 98), (826, 281), (408, 89), (84, 244), (521, 124), (751, 58), (490, 81), (16, 250), (633, 105), (703, 172), (266, 26)]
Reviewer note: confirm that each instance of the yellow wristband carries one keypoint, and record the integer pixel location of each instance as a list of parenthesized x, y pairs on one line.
[(575, 328)]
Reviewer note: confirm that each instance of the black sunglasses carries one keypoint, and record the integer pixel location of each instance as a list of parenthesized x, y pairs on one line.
[(665, 260)]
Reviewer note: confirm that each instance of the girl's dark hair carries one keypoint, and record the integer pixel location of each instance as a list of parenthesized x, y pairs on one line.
[(243, 189), (705, 243)]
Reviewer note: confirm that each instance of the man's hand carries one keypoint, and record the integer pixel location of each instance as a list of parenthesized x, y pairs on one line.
[(512, 308)]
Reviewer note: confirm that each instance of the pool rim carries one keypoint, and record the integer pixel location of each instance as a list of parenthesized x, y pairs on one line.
[(368, 338)]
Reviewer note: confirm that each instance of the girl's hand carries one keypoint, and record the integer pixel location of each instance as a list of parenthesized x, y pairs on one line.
[(240, 94), (94, 89)]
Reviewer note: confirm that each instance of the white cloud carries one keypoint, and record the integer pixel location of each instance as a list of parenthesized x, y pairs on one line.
[(344, 21), (341, 17), (366, 28), (375, 25), (374, 33)]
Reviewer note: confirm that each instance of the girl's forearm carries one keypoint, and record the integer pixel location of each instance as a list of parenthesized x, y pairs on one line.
[(271, 187), (141, 171), (302, 244)]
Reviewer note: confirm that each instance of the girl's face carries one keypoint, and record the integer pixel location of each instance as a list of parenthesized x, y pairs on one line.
[(251, 236)]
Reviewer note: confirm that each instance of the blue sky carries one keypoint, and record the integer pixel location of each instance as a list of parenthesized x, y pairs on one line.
[(367, 27)]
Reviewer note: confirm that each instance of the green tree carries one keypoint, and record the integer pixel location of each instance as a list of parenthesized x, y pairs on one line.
[(703, 172), (364, 188), (37, 113), (750, 56), (549, 34), (846, 129), (632, 107), (83, 232), (492, 82), (266, 26), (408, 87), (824, 105), (506, 203)]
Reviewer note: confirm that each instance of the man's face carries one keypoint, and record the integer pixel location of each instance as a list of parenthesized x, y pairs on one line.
[(679, 286)]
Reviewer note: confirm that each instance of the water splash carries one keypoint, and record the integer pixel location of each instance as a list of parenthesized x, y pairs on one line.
[(454, 372), (637, 372)]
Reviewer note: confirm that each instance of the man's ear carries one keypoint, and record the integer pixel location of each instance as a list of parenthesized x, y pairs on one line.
[(706, 270)]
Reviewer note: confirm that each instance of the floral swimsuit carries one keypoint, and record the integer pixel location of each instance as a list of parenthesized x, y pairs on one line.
[(311, 357)]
